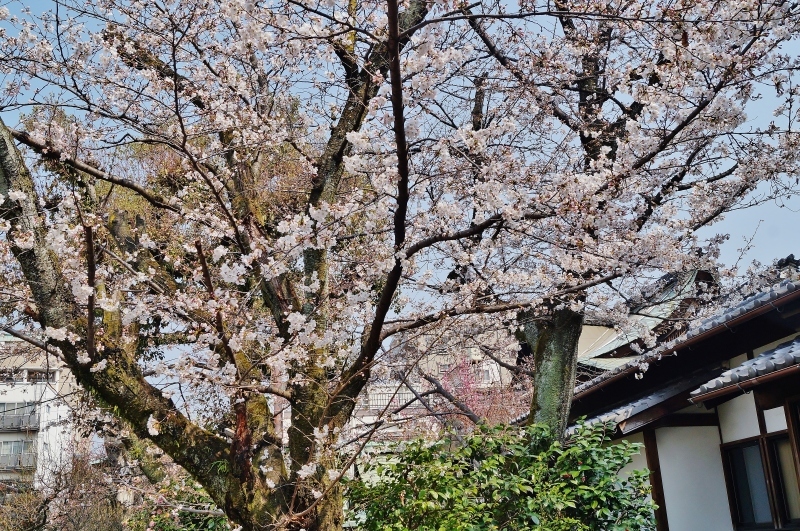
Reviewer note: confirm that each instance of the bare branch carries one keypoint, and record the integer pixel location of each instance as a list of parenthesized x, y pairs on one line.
[(48, 152), (488, 308), (91, 270), (513, 368), (471, 415), (30, 340)]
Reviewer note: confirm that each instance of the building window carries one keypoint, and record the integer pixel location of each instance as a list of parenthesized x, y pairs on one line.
[(749, 485), (763, 483), (41, 376), (17, 454), (786, 478), (16, 447), (8, 375), (18, 408)]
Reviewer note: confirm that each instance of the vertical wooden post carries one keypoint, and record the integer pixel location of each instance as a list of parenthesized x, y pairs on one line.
[(657, 488)]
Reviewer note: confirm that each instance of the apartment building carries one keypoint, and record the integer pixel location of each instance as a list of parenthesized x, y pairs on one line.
[(35, 418)]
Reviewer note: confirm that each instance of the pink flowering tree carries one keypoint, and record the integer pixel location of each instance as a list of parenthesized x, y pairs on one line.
[(248, 200)]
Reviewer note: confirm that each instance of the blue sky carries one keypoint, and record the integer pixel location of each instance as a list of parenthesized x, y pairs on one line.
[(773, 226)]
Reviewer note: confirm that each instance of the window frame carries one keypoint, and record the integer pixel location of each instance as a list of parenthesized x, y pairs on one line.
[(775, 471), (772, 476), (726, 450)]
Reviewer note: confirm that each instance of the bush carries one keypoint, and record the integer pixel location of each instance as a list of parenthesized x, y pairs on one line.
[(505, 478), (165, 513)]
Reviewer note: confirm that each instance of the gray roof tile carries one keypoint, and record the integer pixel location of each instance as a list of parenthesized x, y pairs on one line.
[(750, 303), (780, 357), (654, 398)]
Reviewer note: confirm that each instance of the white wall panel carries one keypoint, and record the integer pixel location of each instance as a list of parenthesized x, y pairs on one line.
[(775, 419), (693, 480), (738, 419)]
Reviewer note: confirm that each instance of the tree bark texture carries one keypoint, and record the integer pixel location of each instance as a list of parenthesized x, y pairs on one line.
[(554, 343)]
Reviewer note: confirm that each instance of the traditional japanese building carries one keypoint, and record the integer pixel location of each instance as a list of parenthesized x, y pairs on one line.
[(718, 413)]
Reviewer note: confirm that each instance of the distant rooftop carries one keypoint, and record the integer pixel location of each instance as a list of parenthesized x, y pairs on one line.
[(752, 303)]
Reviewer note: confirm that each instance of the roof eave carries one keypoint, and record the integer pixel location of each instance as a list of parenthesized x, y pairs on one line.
[(755, 312), (741, 387)]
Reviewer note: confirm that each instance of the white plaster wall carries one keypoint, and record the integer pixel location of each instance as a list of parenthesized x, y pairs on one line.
[(738, 419), (693, 480), (775, 419)]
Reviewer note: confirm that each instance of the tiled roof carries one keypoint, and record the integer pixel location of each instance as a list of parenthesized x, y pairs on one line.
[(621, 414), (749, 304), (608, 363), (780, 357), (648, 316)]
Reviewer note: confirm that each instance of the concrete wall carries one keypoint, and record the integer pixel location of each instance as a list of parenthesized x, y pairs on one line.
[(53, 441), (56, 443), (693, 480)]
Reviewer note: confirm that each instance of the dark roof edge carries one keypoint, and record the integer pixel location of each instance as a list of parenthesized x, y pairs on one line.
[(746, 384), (601, 381)]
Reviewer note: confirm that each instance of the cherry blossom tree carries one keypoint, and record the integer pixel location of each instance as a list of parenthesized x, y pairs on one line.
[(247, 201)]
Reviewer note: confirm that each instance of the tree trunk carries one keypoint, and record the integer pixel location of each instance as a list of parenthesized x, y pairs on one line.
[(328, 515), (554, 343)]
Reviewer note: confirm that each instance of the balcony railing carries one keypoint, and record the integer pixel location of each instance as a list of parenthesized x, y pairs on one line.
[(19, 421), (17, 461), (381, 401)]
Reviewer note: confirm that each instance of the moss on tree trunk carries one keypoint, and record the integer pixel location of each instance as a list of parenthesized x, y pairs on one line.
[(554, 343)]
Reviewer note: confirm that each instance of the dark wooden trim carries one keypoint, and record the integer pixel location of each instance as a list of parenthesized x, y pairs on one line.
[(762, 423), (775, 488), (656, 486), (729, 488), (792, 399), (656, 413), (681, 420), (780, 493), (742, 442), (776, 393), (750, 440), (768, 463), (791, 408)]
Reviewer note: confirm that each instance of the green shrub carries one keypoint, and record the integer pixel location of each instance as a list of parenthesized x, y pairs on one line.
[(155, 516), (505, 478)]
